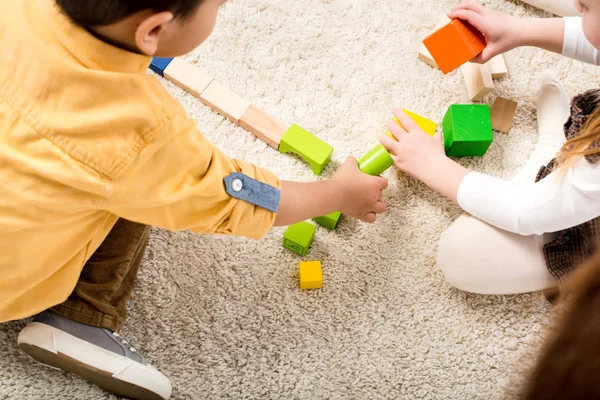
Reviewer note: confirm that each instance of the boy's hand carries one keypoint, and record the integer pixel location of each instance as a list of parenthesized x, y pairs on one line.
[(501, 30), (359, 193), (423, 157)]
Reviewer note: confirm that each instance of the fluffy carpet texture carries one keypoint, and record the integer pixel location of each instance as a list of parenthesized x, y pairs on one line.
[(224, 317)]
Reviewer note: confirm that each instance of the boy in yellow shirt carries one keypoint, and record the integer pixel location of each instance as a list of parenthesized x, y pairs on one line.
[(93, 151)]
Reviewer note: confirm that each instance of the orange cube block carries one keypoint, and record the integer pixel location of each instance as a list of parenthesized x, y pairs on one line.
[(455, 44)]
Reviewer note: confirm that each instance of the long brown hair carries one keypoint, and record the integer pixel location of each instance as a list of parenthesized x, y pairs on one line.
[(569, 367), (581, 145)]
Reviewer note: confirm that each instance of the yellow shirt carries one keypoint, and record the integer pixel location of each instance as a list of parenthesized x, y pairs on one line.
[(86, 137)]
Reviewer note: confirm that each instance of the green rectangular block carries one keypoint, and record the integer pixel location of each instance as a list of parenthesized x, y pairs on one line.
[(329, 221), (467, 130), (307, 146), (299, 237)]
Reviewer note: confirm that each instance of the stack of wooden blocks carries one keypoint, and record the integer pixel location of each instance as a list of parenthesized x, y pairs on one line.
[(455, 43)]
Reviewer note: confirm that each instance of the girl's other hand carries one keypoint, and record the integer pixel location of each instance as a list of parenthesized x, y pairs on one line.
[(502, 31)]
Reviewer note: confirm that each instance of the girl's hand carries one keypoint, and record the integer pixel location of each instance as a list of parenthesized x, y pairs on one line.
[(502, 31), (423, 157)]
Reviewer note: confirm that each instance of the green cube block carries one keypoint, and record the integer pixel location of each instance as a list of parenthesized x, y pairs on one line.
[(299, 237), (467, 130), (329, 221), (307, 146)]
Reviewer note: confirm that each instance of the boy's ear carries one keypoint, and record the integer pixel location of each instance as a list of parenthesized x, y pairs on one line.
[(148, 32)]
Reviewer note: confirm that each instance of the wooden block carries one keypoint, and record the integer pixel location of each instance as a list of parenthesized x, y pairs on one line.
[(187, 76), (224, 101), (455, 44), (376, 161), (478, 80), (329, 221), (159, 64), (503, 114), (263, 126), (424, 54), (498, 67), (426, 57), (428, 126), (310, 275), (307, 146), (299, 237), (467, 130)]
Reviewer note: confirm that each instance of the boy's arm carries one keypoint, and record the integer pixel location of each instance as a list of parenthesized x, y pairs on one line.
[(182, 182)]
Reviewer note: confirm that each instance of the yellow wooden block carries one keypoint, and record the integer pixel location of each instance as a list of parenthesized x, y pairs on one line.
[(311, 275), (428, 126)]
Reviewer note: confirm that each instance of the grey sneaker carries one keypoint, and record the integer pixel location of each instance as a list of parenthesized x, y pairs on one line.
[(95, 354)]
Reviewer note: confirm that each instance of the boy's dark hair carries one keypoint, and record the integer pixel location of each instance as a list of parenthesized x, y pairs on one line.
[(90, 13)]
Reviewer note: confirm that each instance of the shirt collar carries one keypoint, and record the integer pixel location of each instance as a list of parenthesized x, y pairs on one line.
[(85, 47)]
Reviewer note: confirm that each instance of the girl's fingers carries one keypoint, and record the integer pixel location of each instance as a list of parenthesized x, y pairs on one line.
[(395, 129), (390, 144), (473, 18), (406, 121), (468, 5)]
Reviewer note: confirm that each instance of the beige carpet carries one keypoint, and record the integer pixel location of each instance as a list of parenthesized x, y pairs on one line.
[(224, 318)]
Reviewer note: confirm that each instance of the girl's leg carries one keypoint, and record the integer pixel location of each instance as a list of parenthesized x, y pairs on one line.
[(479, 258), (559, 7), (553, 110)]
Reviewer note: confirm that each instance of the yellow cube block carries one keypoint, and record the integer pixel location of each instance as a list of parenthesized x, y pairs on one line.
[(428, 126), (311, 275)]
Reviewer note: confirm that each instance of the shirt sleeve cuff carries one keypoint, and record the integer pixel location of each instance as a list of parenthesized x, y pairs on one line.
[(257, 201), (573, 30), (466, 188)]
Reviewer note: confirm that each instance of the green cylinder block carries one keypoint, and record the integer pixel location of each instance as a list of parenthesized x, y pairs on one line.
[(376, 161)]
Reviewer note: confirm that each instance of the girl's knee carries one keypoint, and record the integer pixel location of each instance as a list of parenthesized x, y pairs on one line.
[(460, 255)]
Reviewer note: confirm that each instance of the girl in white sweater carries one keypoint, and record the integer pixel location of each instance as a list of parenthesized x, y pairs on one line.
[(526, 234)]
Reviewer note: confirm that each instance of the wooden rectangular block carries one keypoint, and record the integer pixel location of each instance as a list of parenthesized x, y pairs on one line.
[(263, 126), (498, 67), (424, 54), (455, 44), (224, 101), (478, 80), (187, 76), (503, 114)]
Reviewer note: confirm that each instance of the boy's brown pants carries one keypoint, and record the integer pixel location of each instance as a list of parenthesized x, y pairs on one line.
[(106, 282)]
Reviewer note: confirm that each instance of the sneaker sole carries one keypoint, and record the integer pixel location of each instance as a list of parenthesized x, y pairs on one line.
[(114, 373)]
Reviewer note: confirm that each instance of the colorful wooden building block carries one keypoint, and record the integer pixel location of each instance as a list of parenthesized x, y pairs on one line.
[(498, 67), (455, 44), (424, 54), (467, 130), (187, 77), (159, 64), (299, 237), (263, 126), (310, 148), (429, 127), (329, 221), (503, 114), (310, 275), (478, 80), (224, 101), (376, 162)]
